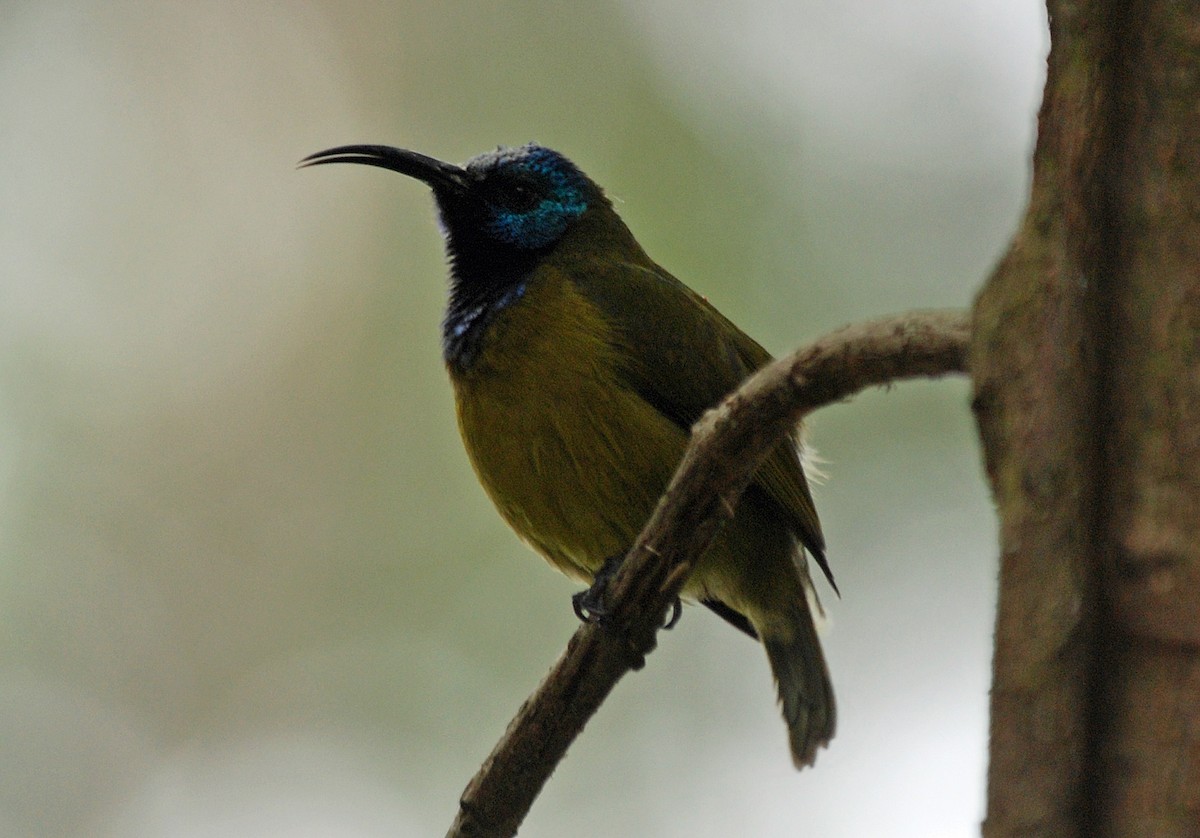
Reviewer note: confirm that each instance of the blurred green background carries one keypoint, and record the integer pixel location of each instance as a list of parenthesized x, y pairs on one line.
[(248, 584)]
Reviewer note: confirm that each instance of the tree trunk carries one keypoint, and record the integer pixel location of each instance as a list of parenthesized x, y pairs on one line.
[(1086, 362)]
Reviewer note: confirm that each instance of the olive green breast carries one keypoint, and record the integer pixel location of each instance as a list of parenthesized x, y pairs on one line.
[(573, 459)]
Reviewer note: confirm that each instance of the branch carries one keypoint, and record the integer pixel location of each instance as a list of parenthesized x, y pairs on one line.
[(728, 445)]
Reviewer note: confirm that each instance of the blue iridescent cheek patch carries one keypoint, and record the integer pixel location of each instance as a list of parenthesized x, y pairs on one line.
[(564, 188), (542, 225)]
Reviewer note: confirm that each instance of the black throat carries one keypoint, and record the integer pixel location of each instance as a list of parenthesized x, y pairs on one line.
[(483, 282)]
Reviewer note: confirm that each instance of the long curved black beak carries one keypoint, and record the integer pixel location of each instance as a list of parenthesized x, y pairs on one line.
[(438, 174)]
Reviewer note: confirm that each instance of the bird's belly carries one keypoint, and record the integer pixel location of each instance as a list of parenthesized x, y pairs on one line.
[(574, 461)]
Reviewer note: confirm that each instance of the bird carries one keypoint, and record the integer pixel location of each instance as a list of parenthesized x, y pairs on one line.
[(578, 366)]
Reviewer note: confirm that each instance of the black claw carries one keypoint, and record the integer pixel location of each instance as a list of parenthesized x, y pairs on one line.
[(676, 613), (588, 606)]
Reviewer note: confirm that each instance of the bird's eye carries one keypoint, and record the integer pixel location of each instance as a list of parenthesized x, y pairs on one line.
[(521, 197)]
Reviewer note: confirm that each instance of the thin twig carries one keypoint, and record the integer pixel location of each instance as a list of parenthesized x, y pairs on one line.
[(728, 445)]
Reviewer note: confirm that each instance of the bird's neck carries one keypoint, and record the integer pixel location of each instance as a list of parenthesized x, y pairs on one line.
[(486, 279), (481, 286)]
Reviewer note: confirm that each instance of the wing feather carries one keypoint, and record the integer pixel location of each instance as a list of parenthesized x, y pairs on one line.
[(666, 329)]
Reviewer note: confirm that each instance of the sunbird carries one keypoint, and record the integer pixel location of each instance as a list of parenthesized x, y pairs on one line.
[(578, 367)]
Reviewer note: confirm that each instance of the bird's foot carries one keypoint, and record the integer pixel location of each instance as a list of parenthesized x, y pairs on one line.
[(589, 604)]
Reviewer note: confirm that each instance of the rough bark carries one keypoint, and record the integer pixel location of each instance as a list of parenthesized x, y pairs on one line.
[(1086, 366), (1147, 701)]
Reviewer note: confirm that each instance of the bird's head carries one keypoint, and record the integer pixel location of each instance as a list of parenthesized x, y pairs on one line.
[(500, 211), (503, 213)]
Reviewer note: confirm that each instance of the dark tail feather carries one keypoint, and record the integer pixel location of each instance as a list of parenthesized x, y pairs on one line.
[(805, 690)]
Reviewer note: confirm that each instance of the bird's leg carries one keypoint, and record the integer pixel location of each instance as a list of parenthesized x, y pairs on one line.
[(589, 604)]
